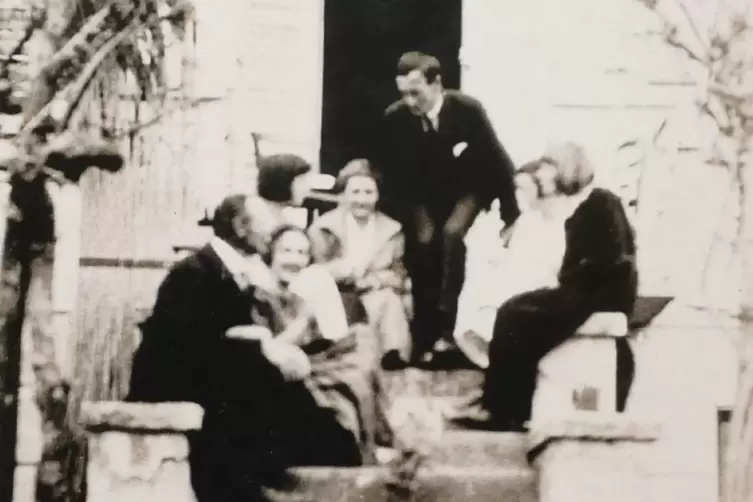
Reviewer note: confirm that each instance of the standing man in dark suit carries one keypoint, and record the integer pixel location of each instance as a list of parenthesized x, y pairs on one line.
[(441, 163)]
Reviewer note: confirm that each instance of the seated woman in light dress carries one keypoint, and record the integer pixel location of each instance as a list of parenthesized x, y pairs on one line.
[(363, 249), (337, 371), (529, 261)]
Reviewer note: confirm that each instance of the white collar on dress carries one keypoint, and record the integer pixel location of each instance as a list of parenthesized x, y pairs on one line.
[(352, 223)]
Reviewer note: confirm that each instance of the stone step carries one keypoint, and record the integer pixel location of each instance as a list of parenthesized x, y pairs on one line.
[(434, 484), (465, 448), (433, 384), (448, 484)]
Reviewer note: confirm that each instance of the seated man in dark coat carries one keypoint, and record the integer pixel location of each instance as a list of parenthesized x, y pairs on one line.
[(245, 388)]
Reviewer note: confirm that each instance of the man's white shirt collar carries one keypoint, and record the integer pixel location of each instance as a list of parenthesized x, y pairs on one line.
[(433, 114), (246, 270), (236, 263)]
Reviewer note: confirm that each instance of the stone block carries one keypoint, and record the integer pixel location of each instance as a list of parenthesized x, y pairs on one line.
[(139, 451), (115, 415), (315, 484), (594, 457), (584, 470), (450, 484), (30, 442), (25, 483), (584, 425), (484, 449), (433, 483), (581, 373)]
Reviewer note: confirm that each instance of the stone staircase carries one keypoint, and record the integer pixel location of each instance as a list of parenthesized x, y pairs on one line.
[(462, 465)]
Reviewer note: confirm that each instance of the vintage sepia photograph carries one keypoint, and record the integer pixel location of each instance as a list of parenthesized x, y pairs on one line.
[(376, 251)]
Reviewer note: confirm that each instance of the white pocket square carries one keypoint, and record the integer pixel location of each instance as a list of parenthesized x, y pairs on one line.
[(459, 148)]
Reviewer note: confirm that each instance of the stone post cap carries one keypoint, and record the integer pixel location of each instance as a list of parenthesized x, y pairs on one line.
[(158, 417), (591, 426), (604, 324)]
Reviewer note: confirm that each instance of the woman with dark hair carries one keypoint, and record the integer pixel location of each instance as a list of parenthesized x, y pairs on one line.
[(336, 371), (283, 178), (597, 274)]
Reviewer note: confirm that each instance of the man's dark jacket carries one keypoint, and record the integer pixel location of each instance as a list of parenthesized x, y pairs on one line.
[(255, 423), (420, 166), (185, 335)]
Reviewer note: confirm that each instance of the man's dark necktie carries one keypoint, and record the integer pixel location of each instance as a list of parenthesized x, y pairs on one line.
[(428, 125)]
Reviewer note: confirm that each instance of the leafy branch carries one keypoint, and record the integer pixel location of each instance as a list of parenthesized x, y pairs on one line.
[(68, 98)]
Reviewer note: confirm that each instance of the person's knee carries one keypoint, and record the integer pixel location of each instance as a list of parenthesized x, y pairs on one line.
[(391, 300), (453, 233), (366, 344), (425, 236)]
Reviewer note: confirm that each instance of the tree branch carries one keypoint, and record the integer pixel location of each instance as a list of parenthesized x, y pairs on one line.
[(124, 133), (722, 121), (36, 21), (77, 43), (671, 38), (670, 31), (694, 28), (72, 94), (77, 88)]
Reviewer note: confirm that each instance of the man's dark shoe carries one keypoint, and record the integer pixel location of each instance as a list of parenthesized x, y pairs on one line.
[(447, 356), (391, 361), (423, 361)]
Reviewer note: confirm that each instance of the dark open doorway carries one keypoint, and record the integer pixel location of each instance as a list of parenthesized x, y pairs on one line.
[(362, 43)]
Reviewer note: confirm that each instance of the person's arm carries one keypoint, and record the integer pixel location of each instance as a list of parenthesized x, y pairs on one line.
[(394, 276), (500, 165), (605, 266), (298, 330), (340, 269), (387, 158), (322, 298)]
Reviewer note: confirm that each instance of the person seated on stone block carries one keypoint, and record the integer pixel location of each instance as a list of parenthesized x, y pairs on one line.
[(597, 274), (528, 260), (189, 353), (363, 249), (338, 371), (186, 355)]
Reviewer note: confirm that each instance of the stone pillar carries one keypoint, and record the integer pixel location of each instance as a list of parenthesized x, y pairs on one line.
[(139, 451), (67, 204), (29, 441), (594, 457)]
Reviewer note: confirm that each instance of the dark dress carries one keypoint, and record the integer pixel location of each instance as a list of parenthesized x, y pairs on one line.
[(256, 424), (427, 186), (598, 274)]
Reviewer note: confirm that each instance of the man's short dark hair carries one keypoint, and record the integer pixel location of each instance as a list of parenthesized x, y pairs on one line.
[(276, 174), (356, 167), (412, 61), (229, 209)]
